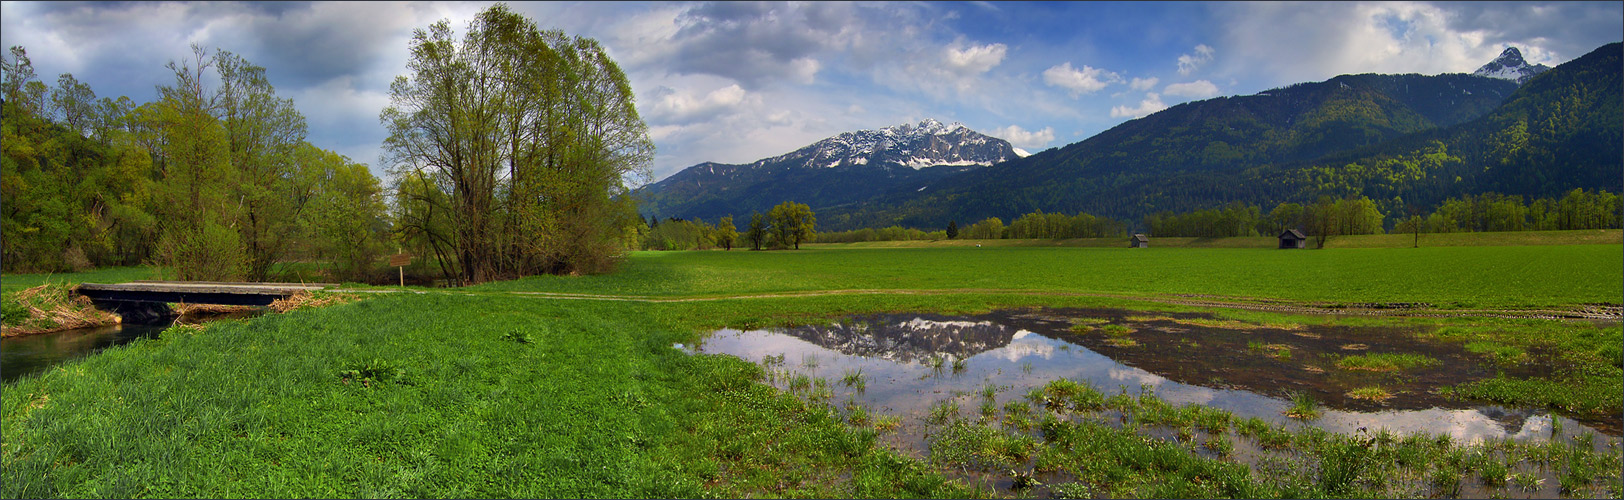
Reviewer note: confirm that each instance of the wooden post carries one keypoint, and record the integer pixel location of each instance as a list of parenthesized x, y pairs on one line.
[(400, 260)]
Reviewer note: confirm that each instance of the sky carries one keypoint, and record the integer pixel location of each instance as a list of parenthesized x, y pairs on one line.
[(735, 82)]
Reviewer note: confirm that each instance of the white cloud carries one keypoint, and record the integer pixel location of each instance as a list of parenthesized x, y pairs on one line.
[(1294, 43), (1151, 104), (672, 107), (1084, 81), (975, 59), (1025, 139), (1188, 63), (1143, 83), (1198, 89)]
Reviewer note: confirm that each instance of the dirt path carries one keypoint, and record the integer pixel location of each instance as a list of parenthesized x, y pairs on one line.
[(1590, 312)]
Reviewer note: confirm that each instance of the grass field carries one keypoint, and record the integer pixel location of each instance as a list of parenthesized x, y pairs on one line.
[(1467, 276), (479, 392), (1505, 238)]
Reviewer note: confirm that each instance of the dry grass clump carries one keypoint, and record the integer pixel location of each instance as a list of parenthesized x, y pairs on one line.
[(303, 300), (185, 309), (49, 308)]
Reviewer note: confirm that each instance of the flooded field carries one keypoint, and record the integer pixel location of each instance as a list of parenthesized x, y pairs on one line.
[(924, 370)]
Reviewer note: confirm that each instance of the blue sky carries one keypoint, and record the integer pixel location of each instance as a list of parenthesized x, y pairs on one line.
[(736, 82)]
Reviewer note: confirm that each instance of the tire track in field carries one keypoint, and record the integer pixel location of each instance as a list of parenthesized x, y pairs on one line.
[(1589, 312)]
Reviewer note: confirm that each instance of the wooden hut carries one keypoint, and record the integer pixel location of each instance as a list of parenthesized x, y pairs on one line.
[(1293, 238), (1139, 241)]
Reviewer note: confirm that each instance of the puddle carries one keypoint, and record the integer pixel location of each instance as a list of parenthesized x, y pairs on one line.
[(912, 362)]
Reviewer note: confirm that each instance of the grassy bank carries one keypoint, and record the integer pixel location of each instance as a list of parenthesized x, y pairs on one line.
[(48, 308), (431, 396), (1517, 276)]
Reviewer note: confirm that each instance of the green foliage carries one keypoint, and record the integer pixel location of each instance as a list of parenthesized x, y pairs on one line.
[(726, 233), (1386, 362), (792, 224), (531, 172), (952, 230), (758, 231), (169, 180)]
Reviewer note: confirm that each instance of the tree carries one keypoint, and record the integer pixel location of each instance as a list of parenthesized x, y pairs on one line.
[(1413, 224), (264, 134), (793, 223), (952, 229), (726, 233), (345, 214), (531, 135), (1322, 220), (74, 103), (758, 231), (197, 211)]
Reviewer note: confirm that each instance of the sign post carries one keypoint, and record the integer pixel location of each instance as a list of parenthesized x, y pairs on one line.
[(400, 260)]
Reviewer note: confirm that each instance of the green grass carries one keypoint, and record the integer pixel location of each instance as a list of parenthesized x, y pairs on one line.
[(1397, 240), (481, 393), (1386, 362), (1509, 276), (15, 282), (432, 396)]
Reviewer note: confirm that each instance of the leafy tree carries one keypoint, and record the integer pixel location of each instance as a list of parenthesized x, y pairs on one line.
[(758, 231), (263, 134), (344, 214), (726, 233), (1323, 220), (197, 239), (952, 229), (74, 103), (793, 223), (990, 228), (1413, 225), (530, 134)]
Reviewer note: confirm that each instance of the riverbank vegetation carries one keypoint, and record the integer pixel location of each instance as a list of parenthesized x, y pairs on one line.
[(48, 308)]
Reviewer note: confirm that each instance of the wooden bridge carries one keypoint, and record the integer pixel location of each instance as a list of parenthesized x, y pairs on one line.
[(196, 292)]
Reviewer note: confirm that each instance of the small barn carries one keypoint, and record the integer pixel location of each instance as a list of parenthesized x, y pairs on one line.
[(1293, 238), (1139, 241)]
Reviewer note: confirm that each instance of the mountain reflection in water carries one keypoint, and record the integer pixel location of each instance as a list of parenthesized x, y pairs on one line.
[(1002, 350)]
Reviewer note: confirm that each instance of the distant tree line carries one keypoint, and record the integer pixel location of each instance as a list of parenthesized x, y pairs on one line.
[(1578, 209), (786, 225), (214, 179), (1035, 225)]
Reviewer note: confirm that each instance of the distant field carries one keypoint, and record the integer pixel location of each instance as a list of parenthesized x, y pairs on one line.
[(15, 282), (1460, 276), (1508, 238)]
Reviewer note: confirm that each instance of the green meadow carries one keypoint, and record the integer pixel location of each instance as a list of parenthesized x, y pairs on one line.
[(1464, 276), (485, 392)]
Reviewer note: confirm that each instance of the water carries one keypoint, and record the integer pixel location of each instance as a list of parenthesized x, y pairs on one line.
[(31, 354), (1016, 351)]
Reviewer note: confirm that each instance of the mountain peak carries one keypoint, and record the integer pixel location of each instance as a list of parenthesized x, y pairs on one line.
[(928, 126), (1511, 66), (915, 145)]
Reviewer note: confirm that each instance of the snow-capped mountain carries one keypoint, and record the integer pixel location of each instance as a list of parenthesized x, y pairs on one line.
[(927, 144), (1511, 66), (847, 168)]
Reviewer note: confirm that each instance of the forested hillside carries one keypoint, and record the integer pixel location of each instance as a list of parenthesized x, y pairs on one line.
[(1397, 139)]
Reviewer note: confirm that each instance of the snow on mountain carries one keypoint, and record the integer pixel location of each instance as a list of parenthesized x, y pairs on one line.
[(1511, 66), (929, 143)]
